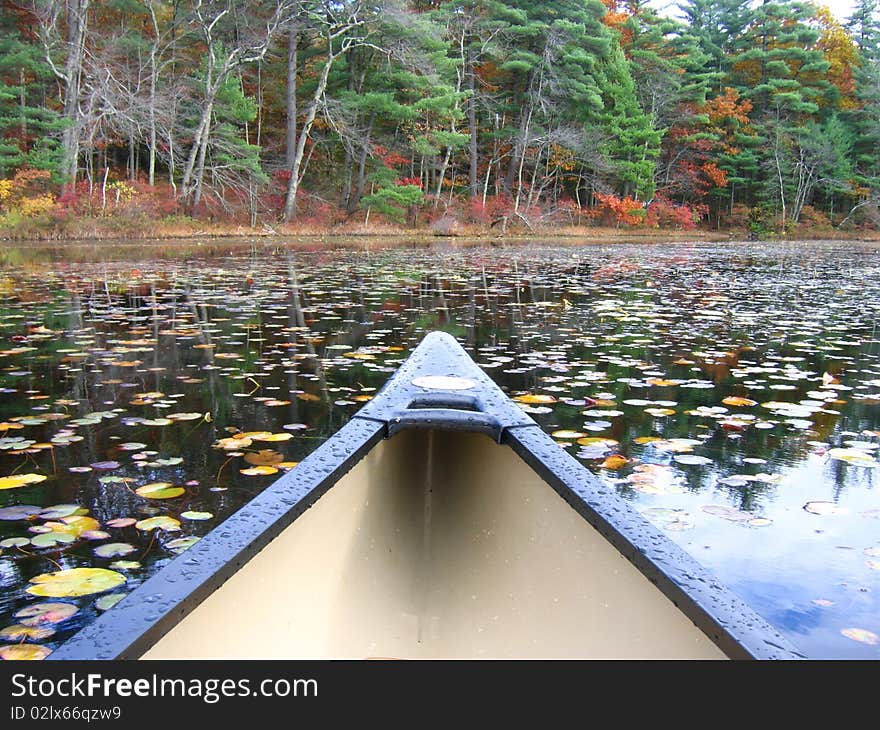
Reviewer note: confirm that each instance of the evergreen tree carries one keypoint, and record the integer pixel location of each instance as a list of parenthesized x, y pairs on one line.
[(29, 128)]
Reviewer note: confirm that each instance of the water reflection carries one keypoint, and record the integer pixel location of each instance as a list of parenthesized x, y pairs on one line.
[(708, 384)]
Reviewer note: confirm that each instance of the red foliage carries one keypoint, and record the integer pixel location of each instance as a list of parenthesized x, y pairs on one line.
[(495, 207), (615, 211), (663, 213)]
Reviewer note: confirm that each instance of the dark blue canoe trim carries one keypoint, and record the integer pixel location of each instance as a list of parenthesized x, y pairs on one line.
[(161, 602)]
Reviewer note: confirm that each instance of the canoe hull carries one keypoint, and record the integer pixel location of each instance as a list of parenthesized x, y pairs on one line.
[(438, 545)]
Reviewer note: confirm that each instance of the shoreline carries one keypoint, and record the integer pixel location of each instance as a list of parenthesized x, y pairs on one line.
[(584, 236)]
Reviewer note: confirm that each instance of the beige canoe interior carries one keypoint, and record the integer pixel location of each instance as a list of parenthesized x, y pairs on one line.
[(437, 545)]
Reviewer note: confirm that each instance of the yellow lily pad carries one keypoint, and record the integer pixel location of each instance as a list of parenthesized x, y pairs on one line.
[(256, 471), (159, 490), (162, 522), (20, 480), (272, 437), (735, 400), (23, 652), (535, 398), (75, 582)]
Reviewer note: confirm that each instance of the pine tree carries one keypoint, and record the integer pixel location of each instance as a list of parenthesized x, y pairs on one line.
[(29, 128)]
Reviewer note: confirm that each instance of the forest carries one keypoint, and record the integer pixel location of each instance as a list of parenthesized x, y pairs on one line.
[(152, 115)]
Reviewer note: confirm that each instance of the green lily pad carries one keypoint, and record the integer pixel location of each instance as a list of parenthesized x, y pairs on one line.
[(51, 539), (114, 550), (105, 603), (191, 515), (181, 543)]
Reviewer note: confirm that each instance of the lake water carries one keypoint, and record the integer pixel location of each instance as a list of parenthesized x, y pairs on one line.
[(729, 392)]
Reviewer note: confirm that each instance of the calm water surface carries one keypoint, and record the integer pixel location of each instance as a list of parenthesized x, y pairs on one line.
[(730, 392)]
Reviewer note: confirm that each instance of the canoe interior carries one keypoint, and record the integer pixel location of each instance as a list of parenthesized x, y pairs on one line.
[(437, 545)]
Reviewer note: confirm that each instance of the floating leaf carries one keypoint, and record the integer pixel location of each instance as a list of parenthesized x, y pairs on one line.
[(58, 511), (735, 400), (734, 515), (20, 480), (691, 460), (255, 471), (19, 512), (105, 465), (75, 582), (198, 516), (266, 457), (181, 544), (51, 539), (105, 603), (163, 522), (114, 550), (535, 399), (863, 636), (74, 525), (565, 434), (21, 632), (121, 522), (126, 565), (272, 437), (825, 508), (45, 613), (11, 542), (23, 652), (159, 490), (232, 443), (855, 457), (614, 462)]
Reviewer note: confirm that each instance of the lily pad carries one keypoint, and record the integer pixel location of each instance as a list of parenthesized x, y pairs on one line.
[(21, 632), (23, 652), (52, 539), (159, 490), (45, 613), (114, 550), (105, 603), (259, 471), (75, 582), (58, 511), (198, 516), (162, 522), (181, 544), (18, 512), (121, 522), (825, 508), (691, 460), (863, 636), (20, 480)]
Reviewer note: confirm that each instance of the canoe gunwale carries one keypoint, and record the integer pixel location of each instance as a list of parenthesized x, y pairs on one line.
[(154, 608)]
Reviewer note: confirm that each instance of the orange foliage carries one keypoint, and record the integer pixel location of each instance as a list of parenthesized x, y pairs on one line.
[(612, 210), (840, 51)]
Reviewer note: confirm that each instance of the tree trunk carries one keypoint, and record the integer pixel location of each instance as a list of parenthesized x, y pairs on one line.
[(355, 197), (472, 129), (292, 50), (77, 18), (305, 130)]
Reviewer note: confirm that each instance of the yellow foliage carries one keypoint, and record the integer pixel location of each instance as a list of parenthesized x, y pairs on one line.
[(33, 207), (5, 189)]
